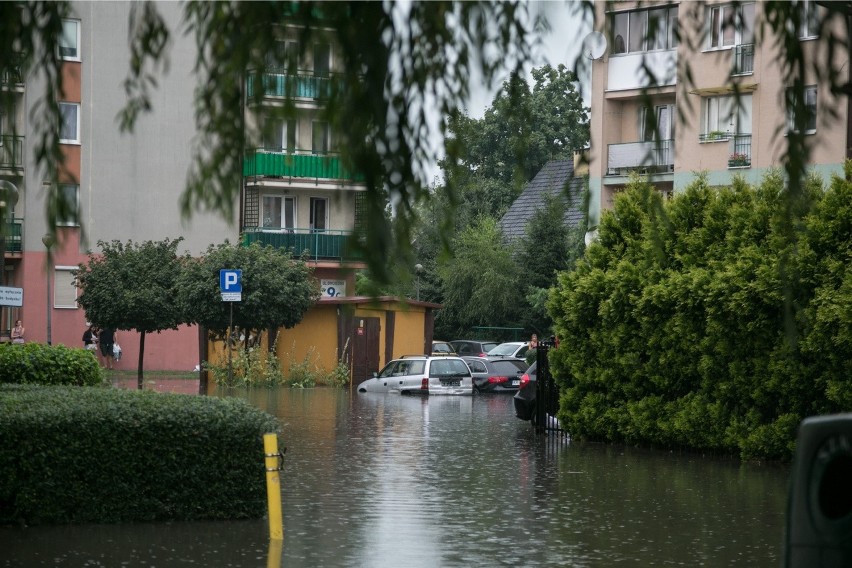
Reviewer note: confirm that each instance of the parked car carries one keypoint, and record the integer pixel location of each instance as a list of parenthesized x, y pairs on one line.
[(511, 349), (496, 374), (422, 374), (524, 399), (442, 348), (472, 348)]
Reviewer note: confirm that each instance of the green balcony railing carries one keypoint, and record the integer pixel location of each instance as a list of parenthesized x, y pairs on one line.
[(297, 164), (14, 235), (304, 85), (319, 244), (11, 151)]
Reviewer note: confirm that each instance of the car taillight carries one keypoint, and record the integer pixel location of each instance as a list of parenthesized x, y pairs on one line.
[(495, 380), (525, 380), (424, 384), (483, 354)]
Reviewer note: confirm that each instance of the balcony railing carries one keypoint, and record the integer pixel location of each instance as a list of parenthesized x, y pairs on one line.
[(319, 244), (11, 151), (740, 151), (304, 85), (644, 157), (14, 235), (299, 163), (743, 62)]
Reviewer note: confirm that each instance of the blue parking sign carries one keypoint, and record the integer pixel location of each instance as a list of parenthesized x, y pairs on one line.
[(231, 284)]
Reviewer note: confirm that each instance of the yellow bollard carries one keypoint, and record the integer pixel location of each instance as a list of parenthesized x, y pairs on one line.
[(274, 461)]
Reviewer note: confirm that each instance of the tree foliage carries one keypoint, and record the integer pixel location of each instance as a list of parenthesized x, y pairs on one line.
[(132, 286), (674, 322), (480, 282), (277, 289)]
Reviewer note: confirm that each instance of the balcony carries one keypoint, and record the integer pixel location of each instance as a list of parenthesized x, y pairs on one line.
[(299, 163), (642, 157), (317, 243), (743, 59), (740, 151), (302, 85), (14, 235), (11, 152)]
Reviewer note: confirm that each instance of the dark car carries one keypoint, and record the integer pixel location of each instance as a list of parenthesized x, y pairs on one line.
[(525, 397), (496, 374), (473, 347)]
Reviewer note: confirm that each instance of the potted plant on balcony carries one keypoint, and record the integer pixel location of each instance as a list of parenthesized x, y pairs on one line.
[(717, 135), (738, 160)]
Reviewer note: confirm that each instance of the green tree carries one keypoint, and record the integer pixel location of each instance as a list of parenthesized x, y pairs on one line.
[(479, 282), (277, 289), (132, 286)]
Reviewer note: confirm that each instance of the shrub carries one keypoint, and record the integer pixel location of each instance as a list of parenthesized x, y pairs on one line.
[(35, 363), (71, 454)]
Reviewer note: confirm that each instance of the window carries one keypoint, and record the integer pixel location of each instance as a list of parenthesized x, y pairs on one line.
[(70, 194), (64, 287), (282, 131), (69, 133), (809, 19), (808, 106), (730, 25), (644, 30), (279, 212), (69, 41), (319, 213), (320, 138), (660, 129), (723, 116), (285, 57), (322, 59)]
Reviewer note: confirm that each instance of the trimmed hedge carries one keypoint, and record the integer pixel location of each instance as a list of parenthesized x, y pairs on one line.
[(81, 454), (35, 363), (716, 320)]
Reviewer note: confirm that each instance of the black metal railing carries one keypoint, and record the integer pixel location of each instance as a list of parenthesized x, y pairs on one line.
[(743, 61), (740, 151), (11, 151), (546, 392)]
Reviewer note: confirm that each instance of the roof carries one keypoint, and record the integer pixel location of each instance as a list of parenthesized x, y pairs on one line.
[(550, 180)]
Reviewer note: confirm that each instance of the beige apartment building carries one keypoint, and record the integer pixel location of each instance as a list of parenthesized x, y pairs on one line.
[(727, 116)]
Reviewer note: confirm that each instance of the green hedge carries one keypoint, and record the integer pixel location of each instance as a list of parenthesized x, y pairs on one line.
[(82, 454), (35, 363), (716, 320)]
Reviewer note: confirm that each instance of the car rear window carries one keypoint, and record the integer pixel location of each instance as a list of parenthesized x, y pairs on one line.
[(453, 367), (488, 346), (509, 367)]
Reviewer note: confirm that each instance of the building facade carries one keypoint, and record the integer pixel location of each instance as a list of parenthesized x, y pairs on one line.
[(688, 87), (127, 186)]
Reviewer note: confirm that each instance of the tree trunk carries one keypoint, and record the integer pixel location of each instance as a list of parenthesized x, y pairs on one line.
[(139, 380), (202, 360)]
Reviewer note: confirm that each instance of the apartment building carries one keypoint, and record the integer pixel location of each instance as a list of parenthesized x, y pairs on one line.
[(126, 186), (727, 116)]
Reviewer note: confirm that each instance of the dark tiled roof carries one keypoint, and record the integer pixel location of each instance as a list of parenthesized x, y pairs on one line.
[(551, 179)]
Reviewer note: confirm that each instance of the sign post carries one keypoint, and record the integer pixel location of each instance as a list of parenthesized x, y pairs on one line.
[(231, 288)]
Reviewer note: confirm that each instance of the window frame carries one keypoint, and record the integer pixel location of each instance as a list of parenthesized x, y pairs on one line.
[(76, 139), (287, 131), (313, 214), (283, 212), (665, 32), (326, 137), (809, 19), (71, 222), (743, 28), (59, 47), (791, 103), (69, 270)]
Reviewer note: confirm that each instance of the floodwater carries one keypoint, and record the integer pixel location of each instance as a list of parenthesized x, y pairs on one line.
[(378, 480)]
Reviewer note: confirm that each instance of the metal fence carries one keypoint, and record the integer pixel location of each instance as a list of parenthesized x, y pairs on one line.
[(546, 393)]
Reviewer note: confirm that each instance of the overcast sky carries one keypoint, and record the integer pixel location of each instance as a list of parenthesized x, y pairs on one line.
[(561, 45)]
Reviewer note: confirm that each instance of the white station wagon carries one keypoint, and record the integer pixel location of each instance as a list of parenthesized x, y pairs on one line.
[(422, 375)]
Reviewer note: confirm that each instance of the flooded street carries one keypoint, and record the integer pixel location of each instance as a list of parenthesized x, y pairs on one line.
[(385, 480)]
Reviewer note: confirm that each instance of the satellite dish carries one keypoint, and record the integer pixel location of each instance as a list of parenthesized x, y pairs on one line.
[(594, 45)]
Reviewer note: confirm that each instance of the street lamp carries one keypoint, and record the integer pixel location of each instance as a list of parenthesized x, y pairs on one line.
[(418, 268), (48, 241), (8, 200)]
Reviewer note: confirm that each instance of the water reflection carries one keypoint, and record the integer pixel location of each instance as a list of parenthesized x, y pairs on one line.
[(386, 480)]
